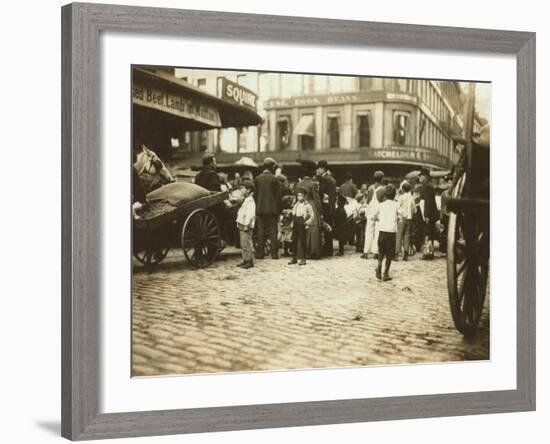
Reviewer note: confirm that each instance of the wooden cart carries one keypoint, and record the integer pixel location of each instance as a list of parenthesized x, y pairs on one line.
[(468, 241), (193, 225)]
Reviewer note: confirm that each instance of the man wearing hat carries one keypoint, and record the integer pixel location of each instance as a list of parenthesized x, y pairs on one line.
[(327, 196), (268, 199), (375, 195), (312, 196), (208, 178), (348, 188), (431, 213)]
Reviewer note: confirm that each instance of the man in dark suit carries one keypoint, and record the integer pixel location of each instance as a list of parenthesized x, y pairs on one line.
[(348, 188), (431, 213), (267, 197), (327, 196), (208, 178)]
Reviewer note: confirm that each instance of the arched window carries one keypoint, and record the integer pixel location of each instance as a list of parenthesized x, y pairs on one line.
[(333, 128), (401, 128), (363, 130)]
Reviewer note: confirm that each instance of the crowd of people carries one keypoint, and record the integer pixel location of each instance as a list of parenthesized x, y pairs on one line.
[(384, 221)]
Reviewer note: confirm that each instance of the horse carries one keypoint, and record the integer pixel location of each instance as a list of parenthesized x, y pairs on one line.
[(151, 170)]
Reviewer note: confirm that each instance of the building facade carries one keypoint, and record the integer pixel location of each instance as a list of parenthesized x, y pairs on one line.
[(357, 124)]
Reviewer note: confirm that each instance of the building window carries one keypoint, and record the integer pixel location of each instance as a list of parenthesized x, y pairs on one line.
[(422, 130), (401, 123), (203, 141), (401, 85), (365, 83), (185, 142), (242, 137), (415, 86), (201, 82), (363, 129), (305, 130), (308, 84), (307, 143), (283, 133), (333, 129)]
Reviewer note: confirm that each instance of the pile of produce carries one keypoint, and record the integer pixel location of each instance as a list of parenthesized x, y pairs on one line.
[(169, 197), (154, 209), (178, 193)]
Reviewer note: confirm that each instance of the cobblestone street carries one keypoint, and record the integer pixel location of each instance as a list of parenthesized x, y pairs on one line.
[(330, 313)]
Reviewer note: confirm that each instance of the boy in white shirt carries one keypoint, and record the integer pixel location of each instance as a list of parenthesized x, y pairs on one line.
[(246, 217), (303, 217), (386, 215), (406, 208)]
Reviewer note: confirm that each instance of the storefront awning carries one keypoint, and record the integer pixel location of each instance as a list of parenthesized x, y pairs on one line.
[(173, 103), (306, 126)]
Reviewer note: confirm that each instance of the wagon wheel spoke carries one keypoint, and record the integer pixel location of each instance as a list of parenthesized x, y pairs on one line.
[(212, 232), (148, 257), (473, 295), (208, 224), (460, 268), (461, 291), (191, 240)]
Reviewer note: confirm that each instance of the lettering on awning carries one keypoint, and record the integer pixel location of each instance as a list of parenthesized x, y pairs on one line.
[(238, 94), (175, 104), (407, 154)]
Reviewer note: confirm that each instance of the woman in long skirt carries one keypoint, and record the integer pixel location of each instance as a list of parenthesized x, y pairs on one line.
[(314, 231)]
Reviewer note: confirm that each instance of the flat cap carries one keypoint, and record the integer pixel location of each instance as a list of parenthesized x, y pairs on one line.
[(207, 158), (269, 161), (424, 172), (378, 174)]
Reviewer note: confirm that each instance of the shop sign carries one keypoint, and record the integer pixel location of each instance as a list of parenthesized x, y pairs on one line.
[(335, 99), (409, 155), (235, 93), (176, 104)]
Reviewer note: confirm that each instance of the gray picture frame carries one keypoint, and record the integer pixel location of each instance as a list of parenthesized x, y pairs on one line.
[(81, 247)]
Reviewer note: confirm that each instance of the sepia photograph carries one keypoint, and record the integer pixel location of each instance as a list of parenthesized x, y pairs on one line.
[(285, 221)]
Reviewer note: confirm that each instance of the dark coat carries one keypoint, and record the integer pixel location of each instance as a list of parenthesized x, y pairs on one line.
[(267, 194), (348, 189), (327, 185), (208, 178), (341, 228), (430, 207)]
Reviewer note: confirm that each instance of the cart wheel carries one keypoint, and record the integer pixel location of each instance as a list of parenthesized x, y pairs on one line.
[(151, 257), (467, 269), (201, 238)]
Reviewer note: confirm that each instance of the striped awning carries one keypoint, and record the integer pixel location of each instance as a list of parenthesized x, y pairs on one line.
[(306, 126)]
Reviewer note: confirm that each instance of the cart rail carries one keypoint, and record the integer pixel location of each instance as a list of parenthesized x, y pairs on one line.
[(180, 211)]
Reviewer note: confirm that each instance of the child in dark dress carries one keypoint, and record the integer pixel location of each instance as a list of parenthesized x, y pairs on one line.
[(341, 225)]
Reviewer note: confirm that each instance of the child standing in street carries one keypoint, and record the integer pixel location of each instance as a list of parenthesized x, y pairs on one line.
[(386, 215), (245, 222), (303, 217), (341, 226)]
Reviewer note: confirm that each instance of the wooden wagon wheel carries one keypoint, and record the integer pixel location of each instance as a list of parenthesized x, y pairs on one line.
[(467, 267), (152, 247), (201, 238), (152, 256)]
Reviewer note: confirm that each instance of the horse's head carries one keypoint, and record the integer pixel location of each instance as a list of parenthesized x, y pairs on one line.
[(151, 170)]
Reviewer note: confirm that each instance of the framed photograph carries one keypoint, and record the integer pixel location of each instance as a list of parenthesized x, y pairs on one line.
[(279, 221)]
